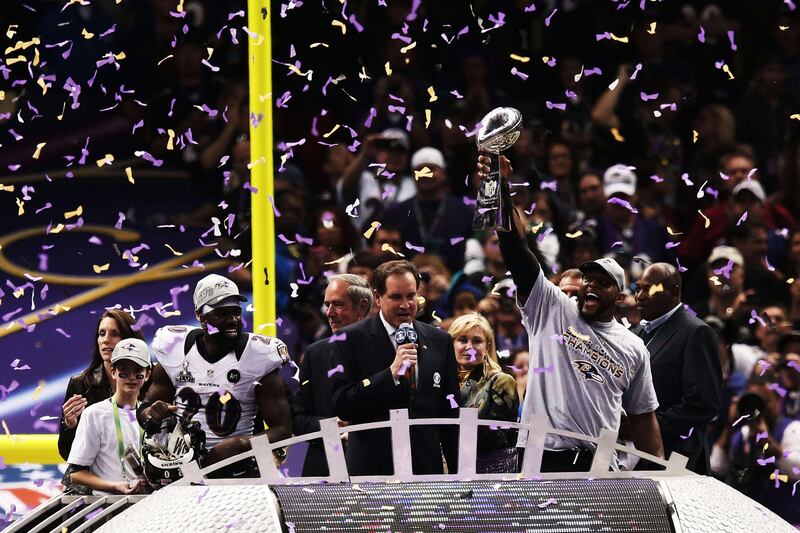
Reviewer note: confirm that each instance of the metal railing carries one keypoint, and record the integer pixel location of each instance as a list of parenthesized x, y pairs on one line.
[(468, 422)]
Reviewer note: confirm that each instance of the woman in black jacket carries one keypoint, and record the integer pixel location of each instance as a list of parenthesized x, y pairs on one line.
[(484, 386), (94, 384)]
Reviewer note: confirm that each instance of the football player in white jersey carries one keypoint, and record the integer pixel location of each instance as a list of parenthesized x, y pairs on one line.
[(219, 375)]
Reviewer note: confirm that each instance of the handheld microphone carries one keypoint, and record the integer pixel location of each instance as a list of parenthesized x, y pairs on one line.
[(405, 334)]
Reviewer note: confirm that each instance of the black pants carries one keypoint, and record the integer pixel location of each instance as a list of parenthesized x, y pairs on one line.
[(573, 460)]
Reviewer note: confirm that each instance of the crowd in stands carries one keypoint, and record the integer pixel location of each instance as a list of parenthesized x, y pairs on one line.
[(663, 134)]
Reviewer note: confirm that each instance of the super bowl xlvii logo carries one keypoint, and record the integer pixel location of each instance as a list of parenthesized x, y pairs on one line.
[(589, 371)]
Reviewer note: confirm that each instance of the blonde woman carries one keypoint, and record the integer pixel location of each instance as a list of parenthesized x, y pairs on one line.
[(484, 386)]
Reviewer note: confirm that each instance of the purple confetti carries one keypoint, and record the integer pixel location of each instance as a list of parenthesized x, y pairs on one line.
[(336, 337), (453, 402), (551, 105), (550, 16), (418, 249), (624, 203), (742, 218), (702, 35), (456, 240), (338, 369)]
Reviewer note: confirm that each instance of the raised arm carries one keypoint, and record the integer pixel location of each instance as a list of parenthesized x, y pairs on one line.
[(518, 258)]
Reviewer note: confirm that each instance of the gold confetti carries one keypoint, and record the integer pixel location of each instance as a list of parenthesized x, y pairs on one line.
[(107, 160), (129, 173), (340, 24), (707, 222), (365, 382), (171, 134), (2, 95), (783, 28), (796, 116), (790, 281), (38, 390), (545, 59), (655, 289), (86, 34), (432, 93), (336, 261), (21, 206), (58, 229), (652, 30), (411, 46), (727, 70), (373, 227), (436, 318), (6, 188), (715, 280), (781, 477), (424, 172), (176, 312), (11, 31), (695, 135), (427, 118), (78, 212), (618, 39), (388, 69), (388, 248), (38, 150), (5, 428), (100, 268), (673, 232), (224, 398), (180, 7), (326, 135), (574, 235), (159, 63), (43, 84), (617, 136), (314, 45), (19, 293), (171, 249), (521, 59), (61, 116)]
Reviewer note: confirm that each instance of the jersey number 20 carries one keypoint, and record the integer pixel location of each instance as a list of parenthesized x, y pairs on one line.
[(221, 418)]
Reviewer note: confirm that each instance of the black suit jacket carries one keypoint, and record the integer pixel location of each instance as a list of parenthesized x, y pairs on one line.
[(312, 402), (365, 392), (687, 376)]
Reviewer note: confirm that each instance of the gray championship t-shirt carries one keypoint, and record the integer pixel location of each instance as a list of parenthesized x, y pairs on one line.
[(581, 374)]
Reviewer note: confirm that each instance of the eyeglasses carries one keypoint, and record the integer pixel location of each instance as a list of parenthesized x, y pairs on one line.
[(126, 375)]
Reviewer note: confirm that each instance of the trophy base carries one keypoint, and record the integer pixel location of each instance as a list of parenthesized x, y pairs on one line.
[(493, 205)]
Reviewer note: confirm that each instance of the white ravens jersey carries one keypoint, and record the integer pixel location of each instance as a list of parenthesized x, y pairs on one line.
[(221, 396)]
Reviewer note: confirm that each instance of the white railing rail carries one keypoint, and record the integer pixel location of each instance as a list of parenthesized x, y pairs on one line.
[(399, 423)]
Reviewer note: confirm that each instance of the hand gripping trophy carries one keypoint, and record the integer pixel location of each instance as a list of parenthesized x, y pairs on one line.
[(499, 131)]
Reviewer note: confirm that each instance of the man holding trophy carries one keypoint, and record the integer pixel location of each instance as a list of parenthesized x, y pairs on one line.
[(599, 367)]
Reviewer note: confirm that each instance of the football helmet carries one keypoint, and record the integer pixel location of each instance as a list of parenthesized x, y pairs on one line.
[(177, 443)]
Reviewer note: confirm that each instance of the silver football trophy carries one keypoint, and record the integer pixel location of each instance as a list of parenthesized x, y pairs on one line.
[(499, 131)]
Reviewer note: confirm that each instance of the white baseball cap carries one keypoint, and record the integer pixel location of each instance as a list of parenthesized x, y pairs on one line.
[(216, 291), (134, 350), (728, 253), (610, 267), (753, 186), (428, 156), (619, 179), (396, 138)]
